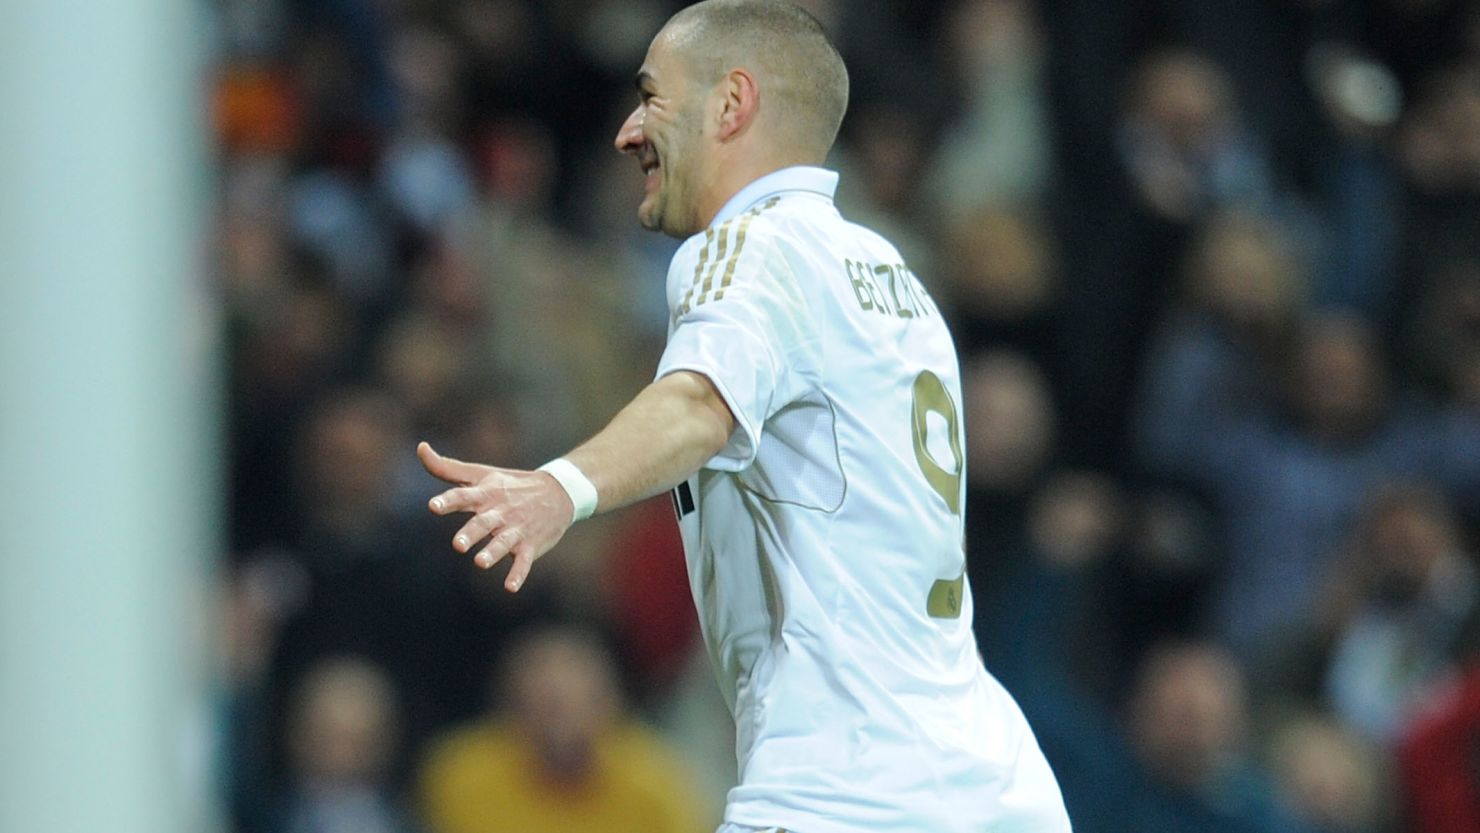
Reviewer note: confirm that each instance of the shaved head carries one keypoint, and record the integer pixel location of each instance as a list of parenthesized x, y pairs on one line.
[(801, 75), (729, 91)]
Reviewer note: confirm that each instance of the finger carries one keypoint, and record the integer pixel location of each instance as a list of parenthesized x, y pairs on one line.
[(461, 499), (446, 468), (523, 561), (499, 546), (476, 529)]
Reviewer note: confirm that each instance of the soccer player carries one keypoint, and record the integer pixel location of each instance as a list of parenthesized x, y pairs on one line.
[(806, 416)]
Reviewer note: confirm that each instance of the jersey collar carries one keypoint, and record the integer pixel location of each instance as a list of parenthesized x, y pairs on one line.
[(805, 178)]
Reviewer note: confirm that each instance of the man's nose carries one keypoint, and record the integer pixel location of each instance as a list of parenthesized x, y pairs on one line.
[(629, 136)]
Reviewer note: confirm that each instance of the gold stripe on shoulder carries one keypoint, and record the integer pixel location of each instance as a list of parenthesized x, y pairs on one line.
[(698, 269), (724, 242), (735, 256), (723, 232), (740, 244)]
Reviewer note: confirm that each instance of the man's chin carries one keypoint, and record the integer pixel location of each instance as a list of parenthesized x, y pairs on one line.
[(652, 218), (655, 223), (649, 217)]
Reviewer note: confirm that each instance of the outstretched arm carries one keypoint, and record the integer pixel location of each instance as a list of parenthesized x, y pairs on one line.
[(663, 435)]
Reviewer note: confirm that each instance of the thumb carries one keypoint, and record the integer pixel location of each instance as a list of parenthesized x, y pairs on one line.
[(447, 468)]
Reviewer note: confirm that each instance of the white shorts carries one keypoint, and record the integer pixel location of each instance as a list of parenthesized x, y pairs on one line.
[(740, 828)]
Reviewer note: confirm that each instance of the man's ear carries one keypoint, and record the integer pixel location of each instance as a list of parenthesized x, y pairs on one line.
[(741, 100)]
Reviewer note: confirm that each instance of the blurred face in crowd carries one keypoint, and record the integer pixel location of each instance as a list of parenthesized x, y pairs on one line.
[(563, 696), (420, 361), (1331, 776), (344, 725), (1188, 714), (890, 144), (1005, 265), (519, 163), (1011, 415), (1445, 332), (1075, 519), (665, 134), (991, 34), (1240, 272), (1337, 387), (1408, 534), (423, 63), (297, 344), (1440, 141), (1184, 98), (347, 454)]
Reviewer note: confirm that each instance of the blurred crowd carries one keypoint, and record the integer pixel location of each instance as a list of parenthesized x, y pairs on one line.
[(1214, 273)]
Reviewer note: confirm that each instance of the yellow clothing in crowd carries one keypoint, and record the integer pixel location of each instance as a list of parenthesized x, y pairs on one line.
[(485, 779)]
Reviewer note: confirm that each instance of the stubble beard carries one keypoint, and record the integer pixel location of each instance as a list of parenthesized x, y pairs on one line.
[(663, 215), (673, 207)]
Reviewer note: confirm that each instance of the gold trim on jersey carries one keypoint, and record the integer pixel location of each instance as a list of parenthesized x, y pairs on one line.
[(730, 267), (704, 278), (724, 242), (699, 268)]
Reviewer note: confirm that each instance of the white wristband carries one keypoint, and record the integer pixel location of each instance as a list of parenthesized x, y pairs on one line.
[(576, 484)]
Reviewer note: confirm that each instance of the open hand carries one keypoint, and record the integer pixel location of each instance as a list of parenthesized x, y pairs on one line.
[(521, 513)]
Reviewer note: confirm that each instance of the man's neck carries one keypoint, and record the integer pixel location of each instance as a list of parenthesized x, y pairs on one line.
[(731, 177)]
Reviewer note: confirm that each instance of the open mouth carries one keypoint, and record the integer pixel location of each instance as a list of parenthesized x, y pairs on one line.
[(650, 164)]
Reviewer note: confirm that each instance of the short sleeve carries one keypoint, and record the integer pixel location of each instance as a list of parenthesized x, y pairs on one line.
[(740, 319)]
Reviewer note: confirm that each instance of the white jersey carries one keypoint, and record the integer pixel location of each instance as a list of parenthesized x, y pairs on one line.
[(824, 542)]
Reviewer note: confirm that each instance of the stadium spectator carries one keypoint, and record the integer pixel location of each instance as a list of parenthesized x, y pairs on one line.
[(1411, 587), (1289, 473), (1441, 338), (1184, 143), (371, 586), (891, 143), (997, 148), (1436, 755), (419, 364), (342, 739), (1182, 153), (560, 754), (1010, 446), (1440, 160), (1037, 618), (1224, 333), (1002, 286), (287, 351), (1335, 781), (1438, 145), (1189, 730), (1155, 587), (1181, 760)]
